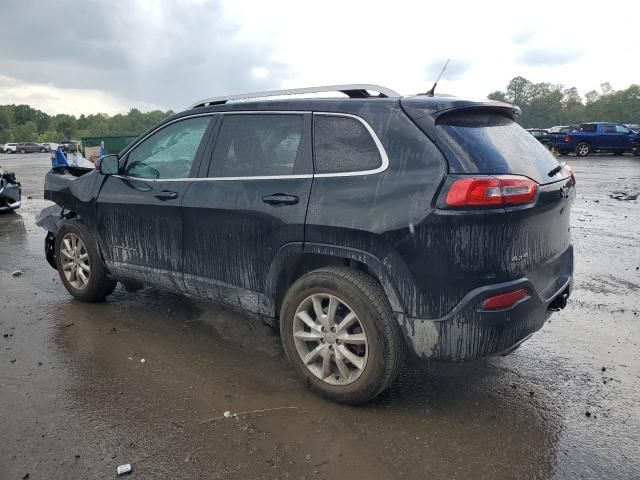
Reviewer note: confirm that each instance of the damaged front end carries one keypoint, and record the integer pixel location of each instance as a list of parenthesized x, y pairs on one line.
[(75, 191), (10, 191)]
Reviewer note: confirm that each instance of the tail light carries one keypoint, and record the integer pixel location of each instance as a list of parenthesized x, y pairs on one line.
[(570, 170), (491, 191), (567, 138), (503, 300)]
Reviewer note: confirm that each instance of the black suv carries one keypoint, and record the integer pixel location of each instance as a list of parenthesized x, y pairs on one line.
[(366, 227)]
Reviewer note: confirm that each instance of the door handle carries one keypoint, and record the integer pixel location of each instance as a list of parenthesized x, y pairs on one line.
[(280, 199), (166, 195)]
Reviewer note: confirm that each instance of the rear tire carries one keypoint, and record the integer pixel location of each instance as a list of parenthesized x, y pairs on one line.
[(359, 349), (583, 149), (80, 265)]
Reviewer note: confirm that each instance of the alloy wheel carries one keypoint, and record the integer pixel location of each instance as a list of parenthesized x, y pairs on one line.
[(75, 261), (330, 339)]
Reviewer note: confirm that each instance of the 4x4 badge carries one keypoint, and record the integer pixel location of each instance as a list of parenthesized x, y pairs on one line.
[(517, 258)]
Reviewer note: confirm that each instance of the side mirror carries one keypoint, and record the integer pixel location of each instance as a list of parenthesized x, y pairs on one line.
[(108, 165)]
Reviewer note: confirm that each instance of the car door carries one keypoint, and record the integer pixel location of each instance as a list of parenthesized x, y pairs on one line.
[(625, 137), (138, 211), (250, 203), (607, 137)]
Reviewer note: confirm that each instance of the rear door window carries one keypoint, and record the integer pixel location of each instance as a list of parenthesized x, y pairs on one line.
[(256, 145), (492, 143), (588, 127), (343, 144)]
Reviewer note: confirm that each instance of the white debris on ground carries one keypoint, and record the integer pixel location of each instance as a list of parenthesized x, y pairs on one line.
[(124, 469)]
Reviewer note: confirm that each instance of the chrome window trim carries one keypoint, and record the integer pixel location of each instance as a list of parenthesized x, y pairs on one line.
[(383, 154)]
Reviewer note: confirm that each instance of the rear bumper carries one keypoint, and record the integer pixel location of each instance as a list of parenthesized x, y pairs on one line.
[(469, 333)]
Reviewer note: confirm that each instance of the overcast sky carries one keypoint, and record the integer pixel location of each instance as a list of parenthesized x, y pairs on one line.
[(73, 56)]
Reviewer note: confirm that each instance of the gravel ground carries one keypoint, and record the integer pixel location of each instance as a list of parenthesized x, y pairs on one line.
[(76, 399)]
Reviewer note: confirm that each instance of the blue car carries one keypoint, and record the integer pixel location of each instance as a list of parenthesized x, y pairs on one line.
[(594, 137)]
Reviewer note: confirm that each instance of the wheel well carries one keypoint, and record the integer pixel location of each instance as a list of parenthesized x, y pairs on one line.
[(300, 264)]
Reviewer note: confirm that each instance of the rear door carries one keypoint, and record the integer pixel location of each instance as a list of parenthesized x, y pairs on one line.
[(608, 137), (250, 202), (139, 211)]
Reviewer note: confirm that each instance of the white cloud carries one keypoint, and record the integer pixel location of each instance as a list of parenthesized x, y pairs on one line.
[(73, 101), (173, 52)]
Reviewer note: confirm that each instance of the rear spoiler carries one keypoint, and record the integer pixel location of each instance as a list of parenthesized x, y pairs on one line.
[(425, 111)]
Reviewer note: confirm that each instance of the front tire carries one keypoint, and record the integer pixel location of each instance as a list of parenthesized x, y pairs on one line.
[(583, 149), (80, 265), (339, 333)]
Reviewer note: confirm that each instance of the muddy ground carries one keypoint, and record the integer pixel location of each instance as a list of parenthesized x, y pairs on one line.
[(76, 400)]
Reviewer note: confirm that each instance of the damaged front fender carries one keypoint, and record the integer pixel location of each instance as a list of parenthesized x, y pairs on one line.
[(51, 219), (75, 191)]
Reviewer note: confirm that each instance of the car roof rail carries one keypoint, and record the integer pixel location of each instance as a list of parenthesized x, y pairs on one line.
[(352, 91)]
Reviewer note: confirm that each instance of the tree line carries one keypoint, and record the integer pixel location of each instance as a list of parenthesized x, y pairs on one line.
[(545, 104), (22, 123)]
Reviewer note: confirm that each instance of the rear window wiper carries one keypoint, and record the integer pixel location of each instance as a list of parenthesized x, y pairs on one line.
[(557, 169)]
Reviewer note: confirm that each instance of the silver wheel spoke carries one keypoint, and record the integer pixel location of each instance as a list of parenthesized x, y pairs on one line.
[(317, 308), (342, 367), (83, 278), (84, 256), (306, 318), (346, 322), (313, 354), (355, 360), (68, 266), (356, 338), (308, 336), (65, 253), (331, 312), (326, 363), (84, 267), (67, 245)]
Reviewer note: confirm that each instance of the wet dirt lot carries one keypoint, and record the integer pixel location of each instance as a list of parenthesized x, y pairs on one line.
[(76, 400)]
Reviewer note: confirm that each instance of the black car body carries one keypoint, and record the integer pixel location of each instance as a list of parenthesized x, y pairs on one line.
[(635, 145), (540, 134), (30, 147), (453, 213)]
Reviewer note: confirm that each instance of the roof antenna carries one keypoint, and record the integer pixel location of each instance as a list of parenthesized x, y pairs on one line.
[(431, 92)]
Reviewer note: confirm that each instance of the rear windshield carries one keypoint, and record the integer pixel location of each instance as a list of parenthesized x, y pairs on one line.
[(491, 143)]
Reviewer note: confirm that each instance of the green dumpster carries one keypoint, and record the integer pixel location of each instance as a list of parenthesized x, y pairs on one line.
[(112, 144)]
